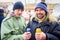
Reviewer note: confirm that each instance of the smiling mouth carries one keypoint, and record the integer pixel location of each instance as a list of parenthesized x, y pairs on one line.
[(40, 16), (19, 14)]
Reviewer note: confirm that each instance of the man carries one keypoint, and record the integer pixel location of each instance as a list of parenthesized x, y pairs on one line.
[(13, 25), (1, 18), (49, 30)]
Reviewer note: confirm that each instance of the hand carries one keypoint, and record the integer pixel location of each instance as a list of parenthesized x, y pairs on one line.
[(26, 35), (40, 36)]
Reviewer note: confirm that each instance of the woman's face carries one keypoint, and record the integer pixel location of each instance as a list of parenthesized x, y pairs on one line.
[(18, 12)]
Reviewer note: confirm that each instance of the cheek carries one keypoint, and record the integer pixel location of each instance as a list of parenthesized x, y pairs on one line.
[(37, 13), (43, 12), (16, 13)]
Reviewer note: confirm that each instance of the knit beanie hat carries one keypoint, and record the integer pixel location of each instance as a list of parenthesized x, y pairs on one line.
[(18, 5), (42, 5)]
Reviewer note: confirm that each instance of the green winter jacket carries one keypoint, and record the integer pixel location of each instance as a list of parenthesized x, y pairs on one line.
[(12, 28)]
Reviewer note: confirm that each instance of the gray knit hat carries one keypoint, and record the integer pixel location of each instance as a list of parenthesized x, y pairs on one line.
[(42, 5)]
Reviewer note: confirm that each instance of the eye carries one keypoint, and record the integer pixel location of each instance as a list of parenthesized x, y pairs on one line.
[(36, 10)]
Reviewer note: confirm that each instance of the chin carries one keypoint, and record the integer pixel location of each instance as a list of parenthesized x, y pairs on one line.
[(40, 17)]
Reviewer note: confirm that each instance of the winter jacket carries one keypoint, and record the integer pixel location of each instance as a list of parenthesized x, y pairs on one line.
[(1, 18), (12, 28), (51, 29)]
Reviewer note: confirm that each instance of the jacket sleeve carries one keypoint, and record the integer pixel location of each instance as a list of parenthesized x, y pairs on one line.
[(6, 35), (28, 26), (55, 34)]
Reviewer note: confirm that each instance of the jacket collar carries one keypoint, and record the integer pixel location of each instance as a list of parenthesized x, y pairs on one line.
[(46, 22)]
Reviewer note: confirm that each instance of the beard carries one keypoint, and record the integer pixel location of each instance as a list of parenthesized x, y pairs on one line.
[(40, 16)]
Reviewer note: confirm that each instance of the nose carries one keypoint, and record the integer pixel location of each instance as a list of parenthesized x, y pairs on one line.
[(20, 11)]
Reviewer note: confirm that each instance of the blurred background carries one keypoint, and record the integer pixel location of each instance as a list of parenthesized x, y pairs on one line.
[(29, 5)]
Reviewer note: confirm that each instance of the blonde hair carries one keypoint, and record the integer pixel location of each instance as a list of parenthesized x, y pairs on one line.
[(52, 18)]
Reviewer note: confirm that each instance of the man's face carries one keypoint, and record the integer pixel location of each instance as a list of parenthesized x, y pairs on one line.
[(40, 13), (18, 12)]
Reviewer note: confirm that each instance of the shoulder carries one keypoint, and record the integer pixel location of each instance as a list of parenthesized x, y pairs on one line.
[(22, 18), (56, 24), (7, 18)]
